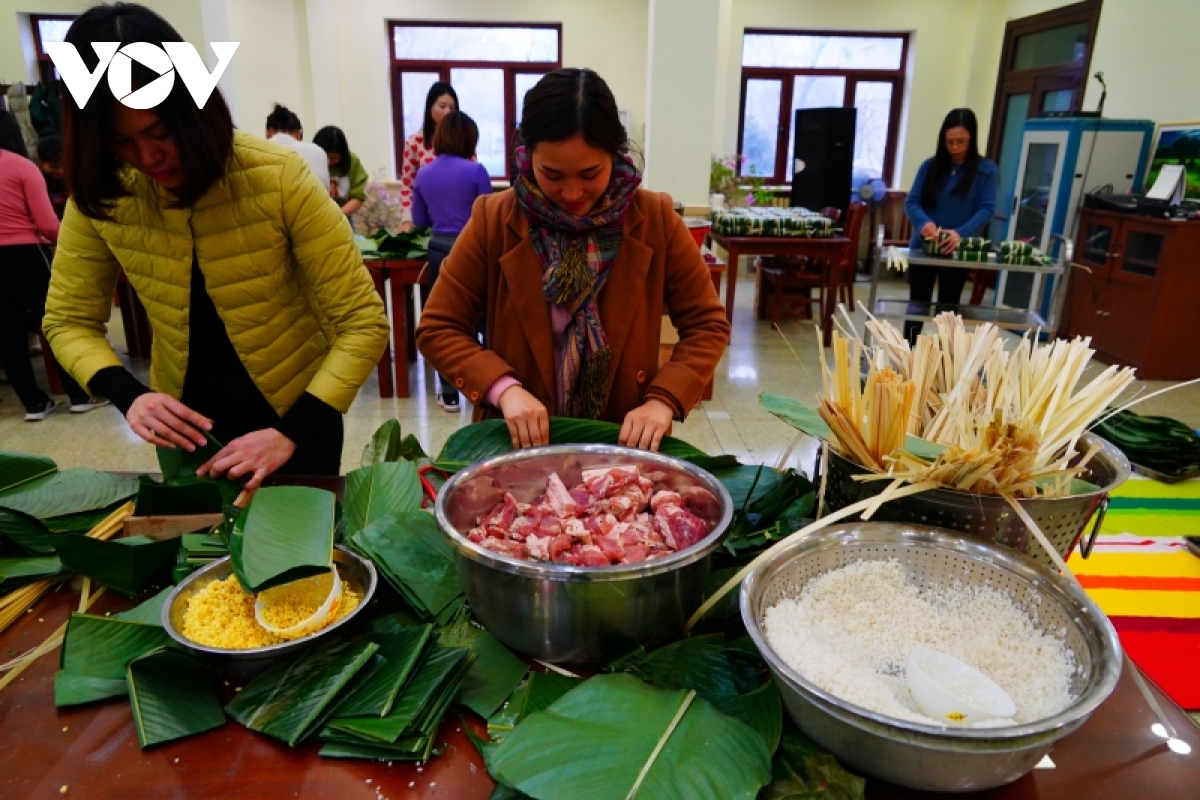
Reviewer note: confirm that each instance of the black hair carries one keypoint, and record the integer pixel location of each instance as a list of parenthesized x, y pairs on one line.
[(282, 119), (437, 90), (573, 101), (10, 135), (332, 140), (203, 136), (50, 149), (457, 134), (943, 165)]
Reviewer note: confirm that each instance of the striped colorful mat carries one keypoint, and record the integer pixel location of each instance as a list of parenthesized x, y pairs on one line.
[(1143, 576)]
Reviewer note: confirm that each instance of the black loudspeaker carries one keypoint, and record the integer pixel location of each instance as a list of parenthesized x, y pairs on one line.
[(824, 157)]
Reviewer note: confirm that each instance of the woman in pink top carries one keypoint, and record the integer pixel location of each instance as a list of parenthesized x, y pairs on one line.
[(418, 148), (26, 220)]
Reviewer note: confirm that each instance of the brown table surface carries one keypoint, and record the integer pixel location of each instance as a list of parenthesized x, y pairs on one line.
[(737, 246), (93, 750)]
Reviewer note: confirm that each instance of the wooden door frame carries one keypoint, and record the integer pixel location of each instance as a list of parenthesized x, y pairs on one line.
[(1087, 11)]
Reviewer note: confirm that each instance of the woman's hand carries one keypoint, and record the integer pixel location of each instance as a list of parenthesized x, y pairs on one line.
[(527, 419), (164, 421), (950, 241), (645, 426), (407, 226), (261, 453), (352, 206), (929, 230)]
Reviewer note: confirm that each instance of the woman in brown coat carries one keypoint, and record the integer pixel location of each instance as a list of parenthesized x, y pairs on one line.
[(572, 268)]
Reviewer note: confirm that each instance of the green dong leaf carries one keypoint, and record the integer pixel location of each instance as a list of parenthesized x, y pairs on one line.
[(173, 695), (18, 471), (286, 533), (100, 647), (376, 491), (124, 565), (615, 737), (70, 491), (494, 673)]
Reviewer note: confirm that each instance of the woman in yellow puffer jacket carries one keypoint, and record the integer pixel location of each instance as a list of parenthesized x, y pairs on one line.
[(265, 321)]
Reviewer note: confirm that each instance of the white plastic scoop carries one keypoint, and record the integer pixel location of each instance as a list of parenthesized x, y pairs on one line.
[(953, 692), (324, 589)]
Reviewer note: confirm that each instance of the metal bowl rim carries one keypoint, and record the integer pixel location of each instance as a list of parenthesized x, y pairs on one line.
[(880, 532), (558, 572), (1117, 460), (272, 649)]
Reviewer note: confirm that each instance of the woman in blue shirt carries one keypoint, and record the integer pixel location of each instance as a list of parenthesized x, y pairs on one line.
[(954, 191), (443, 194)]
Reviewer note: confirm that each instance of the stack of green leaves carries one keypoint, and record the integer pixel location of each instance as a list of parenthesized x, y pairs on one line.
[(1160, 444), (292, 699), (172, 694), (181, 491), (408, 730), (416, 560), (410, 245), (285, 533), (65, 501)]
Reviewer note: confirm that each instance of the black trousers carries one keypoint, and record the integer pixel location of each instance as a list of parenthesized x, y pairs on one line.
[(24, 281), (950, 282)]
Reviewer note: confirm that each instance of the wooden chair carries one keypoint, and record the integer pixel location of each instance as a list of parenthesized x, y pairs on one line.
[(842, 274), (833, 213)]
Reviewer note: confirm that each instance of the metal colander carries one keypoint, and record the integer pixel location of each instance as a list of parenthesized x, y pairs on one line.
[(990, 518), (930, 757)]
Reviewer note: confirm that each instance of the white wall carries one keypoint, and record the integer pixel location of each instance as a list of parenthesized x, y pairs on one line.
[(272, 62)]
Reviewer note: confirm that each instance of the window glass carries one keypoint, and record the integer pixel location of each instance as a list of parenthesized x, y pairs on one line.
[(812, 92), (481, 95), (53, 30), (524, 81), (453, 43), (809, 51), (413, 88), (1052, 47), (873, 99), (761, 132)]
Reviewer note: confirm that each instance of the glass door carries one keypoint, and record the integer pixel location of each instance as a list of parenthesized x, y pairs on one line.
[(1039, 175)]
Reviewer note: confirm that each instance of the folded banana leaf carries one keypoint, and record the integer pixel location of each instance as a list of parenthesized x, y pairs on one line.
[(125, 565), (26, 532), (284, 534), (490, 437), (100, 647), (17, 571), (289, 699), (187, 495), (73, 690), (173, 695), (69, 492), (803, 770), (149, 611), (494, 672), (1161, 444), (19, 471), (81, 522), (402, 653), (389, 444), (414, 557), (378, 490), (175, 462), (615, 737), (438, 674)]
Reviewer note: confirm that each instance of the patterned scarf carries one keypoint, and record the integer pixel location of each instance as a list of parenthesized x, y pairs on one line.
[(576, 254)]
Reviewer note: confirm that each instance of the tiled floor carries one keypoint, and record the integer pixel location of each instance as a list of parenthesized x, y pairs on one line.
[(758, 360)]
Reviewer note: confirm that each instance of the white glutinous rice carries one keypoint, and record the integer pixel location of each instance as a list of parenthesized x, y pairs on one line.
[(851, 632)]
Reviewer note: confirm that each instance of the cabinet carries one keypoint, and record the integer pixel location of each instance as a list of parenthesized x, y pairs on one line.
[(1135, 289)]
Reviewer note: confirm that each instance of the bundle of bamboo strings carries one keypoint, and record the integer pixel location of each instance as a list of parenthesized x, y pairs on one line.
[(1009, 420)]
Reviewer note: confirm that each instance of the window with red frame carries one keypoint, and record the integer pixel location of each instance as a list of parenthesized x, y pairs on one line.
[(784, 71), (490, 65), (48, 28)]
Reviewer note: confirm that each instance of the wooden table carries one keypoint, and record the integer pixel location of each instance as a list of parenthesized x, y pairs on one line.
[(93, 750), (833, 247), (401, 277)]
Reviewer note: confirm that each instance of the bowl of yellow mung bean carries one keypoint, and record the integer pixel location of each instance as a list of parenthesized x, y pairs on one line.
[(210, 615)]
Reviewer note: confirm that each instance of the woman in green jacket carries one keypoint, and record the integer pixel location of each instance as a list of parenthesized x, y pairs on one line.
[(265, 321), (347, 178)]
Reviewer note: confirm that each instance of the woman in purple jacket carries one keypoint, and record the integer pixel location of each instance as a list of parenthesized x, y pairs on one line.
[(444, 192)]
